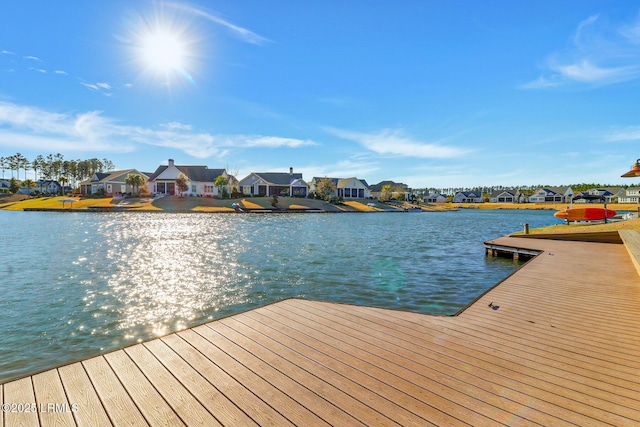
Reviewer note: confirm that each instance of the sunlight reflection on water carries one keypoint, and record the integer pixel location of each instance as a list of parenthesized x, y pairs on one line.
[(77, 284)]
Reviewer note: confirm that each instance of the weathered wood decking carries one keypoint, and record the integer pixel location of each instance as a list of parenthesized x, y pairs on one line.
[(559, 345)]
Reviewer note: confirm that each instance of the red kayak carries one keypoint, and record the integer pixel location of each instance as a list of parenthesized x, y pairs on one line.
[(635, 170), (585, 214)]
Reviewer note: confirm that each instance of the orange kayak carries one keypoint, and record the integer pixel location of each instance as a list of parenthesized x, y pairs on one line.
[(585, 214)]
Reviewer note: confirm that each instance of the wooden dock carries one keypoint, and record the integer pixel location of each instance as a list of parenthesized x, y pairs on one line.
[(556, 343)]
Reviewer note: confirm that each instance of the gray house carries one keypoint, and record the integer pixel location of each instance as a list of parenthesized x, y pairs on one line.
[(274, 183), (467, 197)]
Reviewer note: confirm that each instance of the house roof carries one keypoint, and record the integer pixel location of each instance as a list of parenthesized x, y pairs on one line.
[(193, 173), (340, 182), (378, 187), (469, 194), (499, 192), (278, 178)]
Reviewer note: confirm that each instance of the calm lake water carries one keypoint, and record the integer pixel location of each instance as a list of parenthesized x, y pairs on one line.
[(76, 284)]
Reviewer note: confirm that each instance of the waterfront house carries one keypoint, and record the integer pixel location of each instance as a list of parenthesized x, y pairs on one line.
[(467, 197), (5, 186), (110, 183), (268, 184), (435, 198), (397, 188), (597, 195), (552, 195), (504, 196), (508, 196), (50, 186), (200, 180), (630, 195), (347, 188)]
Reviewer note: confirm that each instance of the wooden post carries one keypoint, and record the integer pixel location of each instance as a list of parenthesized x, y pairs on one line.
[(526, 228)]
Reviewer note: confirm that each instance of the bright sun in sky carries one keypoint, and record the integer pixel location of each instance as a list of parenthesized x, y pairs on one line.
[(163, 52), (162, 46)]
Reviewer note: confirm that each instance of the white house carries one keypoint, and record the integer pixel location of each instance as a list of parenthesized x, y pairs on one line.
[(435, 198), (631, 195), (274, 183), (200, 180)]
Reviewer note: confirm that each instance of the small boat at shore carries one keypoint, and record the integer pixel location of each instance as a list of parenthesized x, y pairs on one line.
[(585, 214)]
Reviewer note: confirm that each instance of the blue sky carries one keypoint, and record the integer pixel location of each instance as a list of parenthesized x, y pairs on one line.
[(429, 93)]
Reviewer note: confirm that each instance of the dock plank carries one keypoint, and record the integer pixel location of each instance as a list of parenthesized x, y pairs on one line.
[(225, 411), (155, 409), (53, 407), (174, 393), (80, 391), (250, 403), (307, 389), (121, 409), (280, 401), (20, 404)]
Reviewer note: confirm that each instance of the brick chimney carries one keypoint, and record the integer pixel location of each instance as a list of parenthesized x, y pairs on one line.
[(290, 171), (170, 162)]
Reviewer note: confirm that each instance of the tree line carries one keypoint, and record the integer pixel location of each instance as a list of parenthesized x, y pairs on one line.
[(54, 167), (526, 189)]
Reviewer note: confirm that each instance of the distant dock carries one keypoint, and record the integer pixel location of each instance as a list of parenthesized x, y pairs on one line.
[(555, 343)]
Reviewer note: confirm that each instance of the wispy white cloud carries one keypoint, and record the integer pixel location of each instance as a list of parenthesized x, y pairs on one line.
[(271, 141), (598, 54), (33, 58), (61, 72), (101, 87), (7, 52), (631, 133), (395, 143), (91, 131), (243, 33)]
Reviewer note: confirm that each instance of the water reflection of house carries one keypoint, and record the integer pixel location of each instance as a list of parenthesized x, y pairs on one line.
[(200, 180), (110, 183), (270, 183), (347, 188)]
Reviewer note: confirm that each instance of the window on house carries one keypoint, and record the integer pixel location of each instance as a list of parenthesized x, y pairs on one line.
[(194, 188)]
